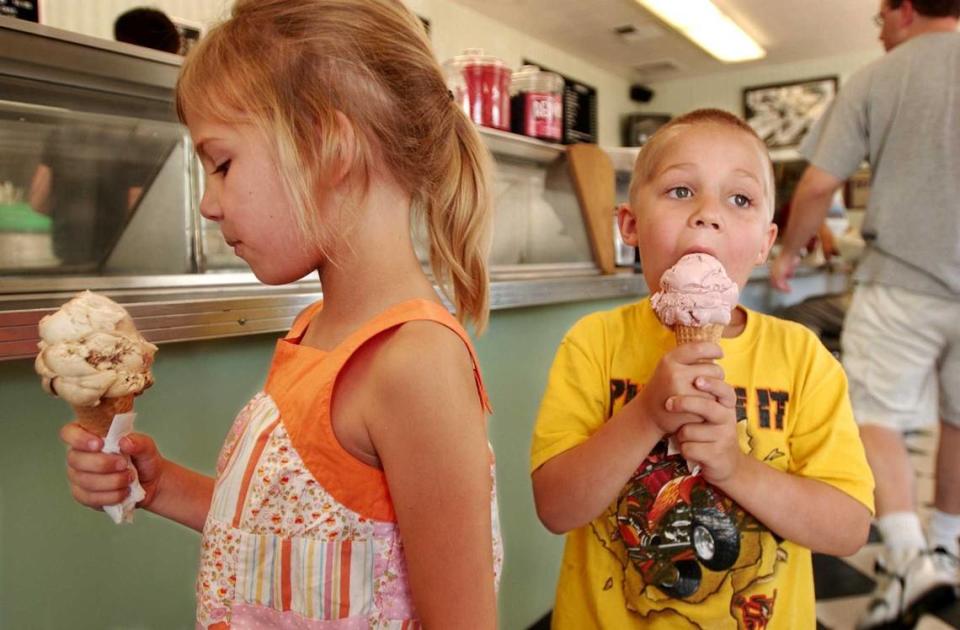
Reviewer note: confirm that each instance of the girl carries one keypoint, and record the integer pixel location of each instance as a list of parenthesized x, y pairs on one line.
[(356, 490)]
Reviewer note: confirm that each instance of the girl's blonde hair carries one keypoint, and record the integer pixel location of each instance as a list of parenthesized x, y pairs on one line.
[(290, 67), (652, 149)]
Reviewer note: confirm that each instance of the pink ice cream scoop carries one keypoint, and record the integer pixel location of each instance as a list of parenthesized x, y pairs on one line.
[(695, 292), (696, 299)]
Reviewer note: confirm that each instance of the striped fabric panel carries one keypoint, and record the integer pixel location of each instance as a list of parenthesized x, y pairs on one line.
[(230, 482), (316, 579), (260, 572), (332, 579)]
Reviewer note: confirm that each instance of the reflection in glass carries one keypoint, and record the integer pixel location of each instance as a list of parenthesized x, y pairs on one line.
[(71, 184)]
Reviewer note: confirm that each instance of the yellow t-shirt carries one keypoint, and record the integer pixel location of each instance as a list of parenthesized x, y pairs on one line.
[(672, 551)]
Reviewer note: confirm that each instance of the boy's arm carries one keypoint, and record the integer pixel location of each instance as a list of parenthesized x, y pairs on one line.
[(815, 503), (806, 511), (575, 486)]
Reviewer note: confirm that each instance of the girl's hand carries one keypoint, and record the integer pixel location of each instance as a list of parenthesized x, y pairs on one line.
[(713, 443), (674, 377), (99, 479)]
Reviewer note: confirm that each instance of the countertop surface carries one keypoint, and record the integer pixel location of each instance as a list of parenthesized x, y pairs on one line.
[(184, 308)]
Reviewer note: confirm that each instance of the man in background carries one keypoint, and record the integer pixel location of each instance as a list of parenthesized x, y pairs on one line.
[(91, 176), (901, 337)]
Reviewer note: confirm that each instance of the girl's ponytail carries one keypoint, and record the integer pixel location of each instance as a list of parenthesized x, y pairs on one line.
[(457, 217)]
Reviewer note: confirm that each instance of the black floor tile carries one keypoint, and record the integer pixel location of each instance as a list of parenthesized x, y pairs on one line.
[(833, 578), (543, 623), (950, 614)]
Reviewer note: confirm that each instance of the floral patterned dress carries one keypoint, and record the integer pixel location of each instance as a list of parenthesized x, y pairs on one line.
[(301, 534)]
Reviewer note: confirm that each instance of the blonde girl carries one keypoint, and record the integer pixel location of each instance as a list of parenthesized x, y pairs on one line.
[(356, 490)]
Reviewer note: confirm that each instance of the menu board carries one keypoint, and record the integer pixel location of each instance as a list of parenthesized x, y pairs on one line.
[(22, 9), (579, 108)]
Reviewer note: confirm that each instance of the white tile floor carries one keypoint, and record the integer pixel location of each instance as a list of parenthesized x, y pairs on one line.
[(841, 612)]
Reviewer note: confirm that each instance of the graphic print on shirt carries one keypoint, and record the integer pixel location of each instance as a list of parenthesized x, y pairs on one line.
[(679, 538), (756, 610)]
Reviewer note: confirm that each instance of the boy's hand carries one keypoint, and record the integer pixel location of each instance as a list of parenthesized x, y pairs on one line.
[(99, 479), (712, 443), (674, 377)]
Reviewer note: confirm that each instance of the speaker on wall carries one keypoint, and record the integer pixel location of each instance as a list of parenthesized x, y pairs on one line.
[(641, 93)]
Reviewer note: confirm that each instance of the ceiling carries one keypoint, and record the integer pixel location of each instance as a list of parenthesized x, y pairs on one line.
[(790, 30)]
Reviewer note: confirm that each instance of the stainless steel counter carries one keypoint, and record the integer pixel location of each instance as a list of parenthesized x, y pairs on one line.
[(193, 307), (238, 305)]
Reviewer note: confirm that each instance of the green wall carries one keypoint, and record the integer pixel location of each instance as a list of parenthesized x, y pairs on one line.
[(63, 566)]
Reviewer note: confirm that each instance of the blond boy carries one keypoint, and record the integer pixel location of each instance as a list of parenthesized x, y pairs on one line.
[(649, 544)]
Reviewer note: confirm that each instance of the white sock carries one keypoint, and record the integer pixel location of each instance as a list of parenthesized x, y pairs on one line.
[(902, 538), (944, 531)]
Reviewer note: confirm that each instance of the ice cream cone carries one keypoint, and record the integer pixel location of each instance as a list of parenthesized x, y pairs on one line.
[(97, 420), (693, 334)]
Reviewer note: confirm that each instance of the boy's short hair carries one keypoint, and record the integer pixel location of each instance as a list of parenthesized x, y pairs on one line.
[(650, 153)]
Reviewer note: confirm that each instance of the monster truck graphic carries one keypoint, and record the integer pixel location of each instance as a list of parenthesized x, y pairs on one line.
[(674, 524)]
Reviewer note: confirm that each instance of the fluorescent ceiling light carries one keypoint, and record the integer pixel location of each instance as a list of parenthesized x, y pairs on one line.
[(708, 27)]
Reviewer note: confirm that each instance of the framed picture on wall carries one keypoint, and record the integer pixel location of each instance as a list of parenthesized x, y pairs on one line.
[(21, 9), (782, 113), (637, 128)]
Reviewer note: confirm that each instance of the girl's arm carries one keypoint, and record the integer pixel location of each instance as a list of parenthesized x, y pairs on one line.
[(183, 496), (428, 428), (98, 479)]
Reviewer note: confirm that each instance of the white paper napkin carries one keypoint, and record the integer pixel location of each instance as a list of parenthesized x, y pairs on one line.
[(122, 426), (673, 448)]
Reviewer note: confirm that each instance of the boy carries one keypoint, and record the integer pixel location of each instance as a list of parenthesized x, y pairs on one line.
[(651, 545)]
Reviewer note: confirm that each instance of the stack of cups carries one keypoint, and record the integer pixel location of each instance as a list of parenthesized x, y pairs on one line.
[(480, 83)]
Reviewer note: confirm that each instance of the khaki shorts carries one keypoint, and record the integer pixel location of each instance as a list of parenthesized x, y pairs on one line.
[(901, 352)]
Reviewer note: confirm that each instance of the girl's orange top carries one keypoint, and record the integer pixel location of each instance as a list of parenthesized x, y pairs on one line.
[(301, 534)]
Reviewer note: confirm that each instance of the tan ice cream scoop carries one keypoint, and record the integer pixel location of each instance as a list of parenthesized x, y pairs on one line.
[(93, 357)]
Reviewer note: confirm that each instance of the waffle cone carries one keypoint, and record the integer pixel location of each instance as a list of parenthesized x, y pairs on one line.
[(97, 420), (693, 334)]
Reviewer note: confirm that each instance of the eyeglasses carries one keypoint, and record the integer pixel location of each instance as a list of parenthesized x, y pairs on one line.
[(891, 5)]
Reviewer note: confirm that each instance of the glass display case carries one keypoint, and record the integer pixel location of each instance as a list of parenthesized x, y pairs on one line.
[(93, 194), (100, 190)]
